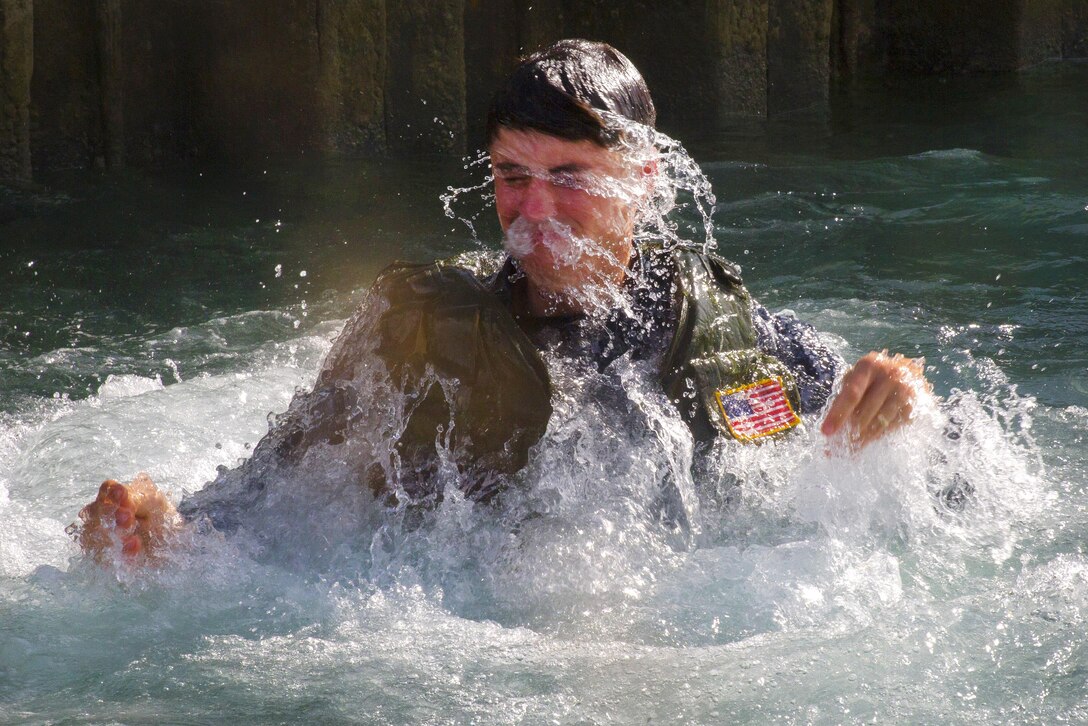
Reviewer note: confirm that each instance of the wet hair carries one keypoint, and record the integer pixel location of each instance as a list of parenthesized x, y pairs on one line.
[(576, 90)]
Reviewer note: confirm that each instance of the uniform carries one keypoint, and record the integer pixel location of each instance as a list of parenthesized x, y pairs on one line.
[(454, 337)]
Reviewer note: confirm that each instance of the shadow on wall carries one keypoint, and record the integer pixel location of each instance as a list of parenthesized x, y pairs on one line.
[(114, 82)]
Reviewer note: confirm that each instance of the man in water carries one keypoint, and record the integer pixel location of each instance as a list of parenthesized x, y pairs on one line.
[(570, 137)]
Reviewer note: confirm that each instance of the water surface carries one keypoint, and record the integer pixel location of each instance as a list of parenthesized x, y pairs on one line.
[(153, 323)]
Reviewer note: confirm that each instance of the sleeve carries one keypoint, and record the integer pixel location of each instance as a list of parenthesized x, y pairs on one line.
[(797, 345), (462, 374)]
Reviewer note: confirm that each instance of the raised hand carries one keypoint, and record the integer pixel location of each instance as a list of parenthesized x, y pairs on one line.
[(878, 396), (136, 516)]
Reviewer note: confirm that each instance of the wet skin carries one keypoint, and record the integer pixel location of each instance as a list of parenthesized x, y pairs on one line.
[(878, 395), (594, 192), (541, 179), (135, 518)]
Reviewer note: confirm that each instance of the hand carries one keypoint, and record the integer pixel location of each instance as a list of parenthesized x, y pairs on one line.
[(138, 516), (878, 396)]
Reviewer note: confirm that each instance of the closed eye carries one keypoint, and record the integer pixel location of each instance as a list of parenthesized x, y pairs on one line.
[(514, 180), (569, 179), (512, 174)]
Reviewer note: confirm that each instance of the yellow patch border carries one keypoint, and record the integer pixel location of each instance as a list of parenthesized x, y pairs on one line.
[(793, 422)]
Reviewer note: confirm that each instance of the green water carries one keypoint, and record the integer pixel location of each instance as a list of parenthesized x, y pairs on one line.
[(152, 321)]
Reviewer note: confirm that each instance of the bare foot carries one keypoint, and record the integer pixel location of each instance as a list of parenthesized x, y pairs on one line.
[(135, 515)]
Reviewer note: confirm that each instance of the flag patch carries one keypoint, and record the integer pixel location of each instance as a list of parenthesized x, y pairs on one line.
[(757, 409)]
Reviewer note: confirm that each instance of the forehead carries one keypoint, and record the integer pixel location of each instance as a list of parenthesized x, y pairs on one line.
[(537, 150)]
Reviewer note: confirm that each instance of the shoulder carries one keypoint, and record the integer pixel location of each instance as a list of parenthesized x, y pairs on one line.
[(692, 262), (704, 281), (412, 299), (460, 278), (483, 264), (725, 272)]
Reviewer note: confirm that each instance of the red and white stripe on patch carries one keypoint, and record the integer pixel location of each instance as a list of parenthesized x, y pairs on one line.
[(757, 409)]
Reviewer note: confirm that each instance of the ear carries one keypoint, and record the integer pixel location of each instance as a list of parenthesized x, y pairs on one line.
[(648, 177)]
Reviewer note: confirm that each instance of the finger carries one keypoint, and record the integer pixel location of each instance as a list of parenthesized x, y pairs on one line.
[(104, 490), (889, 418), (131, 546), (881, 393), (122, 506), (111, 511), (148, 500), (905, 378), (112, 493), (90, 512), (854, 384), (103, 505), (124, 518)]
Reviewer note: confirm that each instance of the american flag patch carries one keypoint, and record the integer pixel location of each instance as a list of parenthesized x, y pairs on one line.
[(757, 409)]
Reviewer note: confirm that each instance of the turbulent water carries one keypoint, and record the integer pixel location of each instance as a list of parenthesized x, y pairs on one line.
[(155, 324)]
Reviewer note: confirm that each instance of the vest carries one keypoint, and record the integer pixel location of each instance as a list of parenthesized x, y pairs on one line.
[(712, 370)]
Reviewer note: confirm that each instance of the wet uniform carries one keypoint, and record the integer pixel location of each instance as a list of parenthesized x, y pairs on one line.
[(457, 339), (646, 329)]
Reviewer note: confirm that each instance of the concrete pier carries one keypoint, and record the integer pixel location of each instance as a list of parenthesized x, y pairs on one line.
[(122, 82)]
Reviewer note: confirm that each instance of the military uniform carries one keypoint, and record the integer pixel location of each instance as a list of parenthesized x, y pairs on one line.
[(456, 336), (689, 313)]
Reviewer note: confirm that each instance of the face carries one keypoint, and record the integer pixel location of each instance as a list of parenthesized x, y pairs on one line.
[(567, 209)]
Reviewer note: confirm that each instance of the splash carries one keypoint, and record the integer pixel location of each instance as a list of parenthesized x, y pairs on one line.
[(936, 577), (681, 209), (454, 199), (525, 237), (675, 207)]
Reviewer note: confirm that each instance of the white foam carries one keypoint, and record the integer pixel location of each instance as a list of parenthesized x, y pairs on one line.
[(126, 385)]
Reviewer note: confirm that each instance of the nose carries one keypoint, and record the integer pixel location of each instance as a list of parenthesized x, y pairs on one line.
[(537, 200)]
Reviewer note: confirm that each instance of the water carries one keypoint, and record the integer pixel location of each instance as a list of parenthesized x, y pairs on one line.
[(153, 324)]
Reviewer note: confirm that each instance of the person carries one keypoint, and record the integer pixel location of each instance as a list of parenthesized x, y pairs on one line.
[(576, 176)]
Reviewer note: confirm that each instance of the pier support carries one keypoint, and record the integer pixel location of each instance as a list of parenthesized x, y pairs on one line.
[(425, 76), (352, 58), (110, 82), (932, 36), (114, 82), (16, 69), (798, 57)]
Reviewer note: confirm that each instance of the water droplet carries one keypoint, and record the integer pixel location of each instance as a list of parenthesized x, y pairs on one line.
[(302, 273)]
